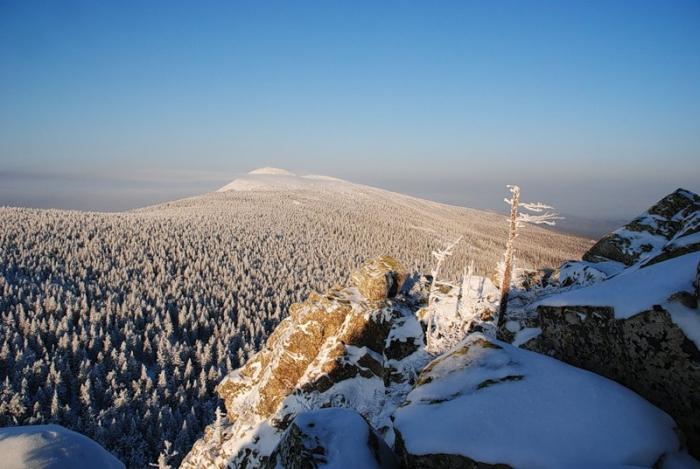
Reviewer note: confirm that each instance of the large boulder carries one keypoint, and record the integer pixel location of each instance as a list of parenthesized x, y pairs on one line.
[(488, 404), (640, 328), (331, 438), (358, 347)]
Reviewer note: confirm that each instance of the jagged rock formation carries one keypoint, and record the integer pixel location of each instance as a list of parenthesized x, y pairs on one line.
[(331, 438), (487, 404), (670, 228), (666, 230), (356, 347)]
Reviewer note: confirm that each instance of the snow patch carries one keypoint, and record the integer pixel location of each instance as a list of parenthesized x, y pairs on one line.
[(51, 447)]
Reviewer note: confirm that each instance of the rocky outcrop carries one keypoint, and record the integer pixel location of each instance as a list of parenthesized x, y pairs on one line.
[(487, 404), (640, 328), (357, 347), (664, 231), (331, 438), (348, 373)]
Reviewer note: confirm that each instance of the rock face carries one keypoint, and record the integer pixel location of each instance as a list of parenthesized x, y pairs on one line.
[(356, 347), (668, 229), (488, 404), (331, 438)]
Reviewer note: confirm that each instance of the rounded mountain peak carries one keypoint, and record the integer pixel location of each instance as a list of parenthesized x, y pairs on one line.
[(272, 171)]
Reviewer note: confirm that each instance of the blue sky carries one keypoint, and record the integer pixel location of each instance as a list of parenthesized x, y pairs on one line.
[(592, 105)]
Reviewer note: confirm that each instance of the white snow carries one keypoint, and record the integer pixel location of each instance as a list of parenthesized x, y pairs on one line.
[(686, 240), (344, 435), (51, 447), (638, 290), (525, 335), (586, 273), (507, 405)]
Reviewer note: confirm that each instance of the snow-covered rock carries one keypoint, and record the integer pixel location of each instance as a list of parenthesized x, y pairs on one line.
[(487, 403), (51, 447), (640, 328), (332, 439), (668, 229), (339, 349)]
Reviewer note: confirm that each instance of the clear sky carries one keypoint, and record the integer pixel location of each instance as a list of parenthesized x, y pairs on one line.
[(593, 106)]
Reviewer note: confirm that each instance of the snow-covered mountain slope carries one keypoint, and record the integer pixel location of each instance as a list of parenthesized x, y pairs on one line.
[(408, 227), (51, 447)]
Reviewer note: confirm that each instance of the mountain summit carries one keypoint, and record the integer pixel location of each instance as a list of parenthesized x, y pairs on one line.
[(277, 179), (270, 170)]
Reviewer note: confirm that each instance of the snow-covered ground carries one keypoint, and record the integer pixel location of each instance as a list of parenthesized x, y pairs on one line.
[(51, 447)]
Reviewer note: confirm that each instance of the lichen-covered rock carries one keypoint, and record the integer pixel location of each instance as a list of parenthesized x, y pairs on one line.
[(487, 404), (338, 349), (379, 279), (331, 438)]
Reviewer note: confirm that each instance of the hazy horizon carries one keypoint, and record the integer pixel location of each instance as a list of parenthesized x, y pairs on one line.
[(122, 193), (118, 106)]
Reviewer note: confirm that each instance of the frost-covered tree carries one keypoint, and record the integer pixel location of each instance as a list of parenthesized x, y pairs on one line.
[(218, 424), (165, 456), (440, 256), (537, 214)]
